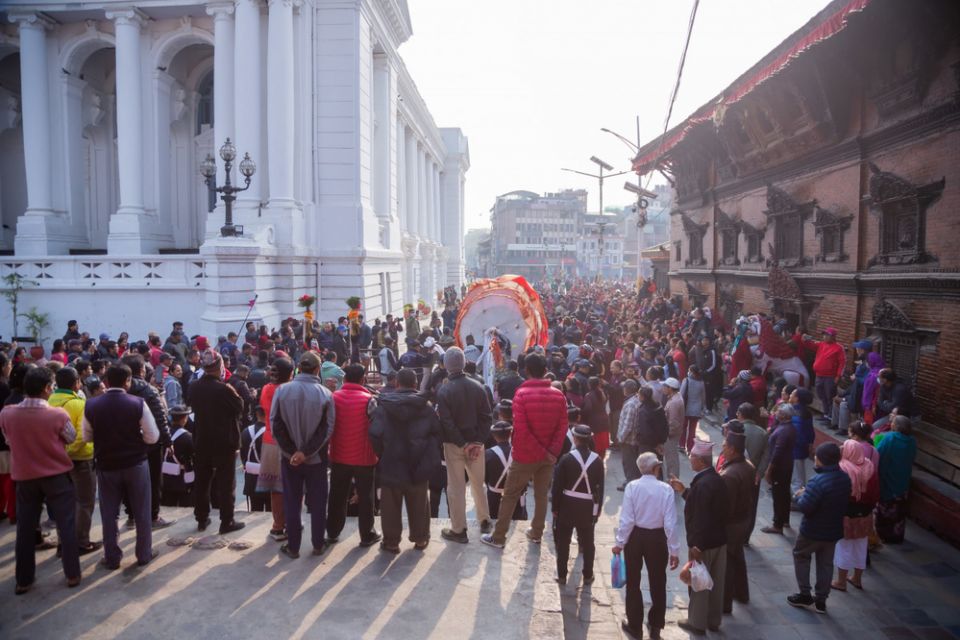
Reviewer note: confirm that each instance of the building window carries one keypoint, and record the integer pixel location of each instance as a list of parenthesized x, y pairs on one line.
[(754, 237), (694, 233), (204, 104), (678, 254), (831, 228), (902, 354), (902, 209), (729, 232), (788, 218)]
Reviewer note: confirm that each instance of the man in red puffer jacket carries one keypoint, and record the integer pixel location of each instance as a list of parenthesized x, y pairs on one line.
[(352, 457), (539, 427)]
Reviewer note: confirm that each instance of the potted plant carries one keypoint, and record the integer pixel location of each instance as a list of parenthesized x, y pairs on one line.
[(14, 283), (354, 303), (37, 322), (305, 302)]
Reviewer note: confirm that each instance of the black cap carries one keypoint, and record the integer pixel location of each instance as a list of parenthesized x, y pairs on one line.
[(582, 431), (501, 426)]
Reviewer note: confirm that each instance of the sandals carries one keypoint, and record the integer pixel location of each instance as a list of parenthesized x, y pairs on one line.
[(836, 586), (857, 585)]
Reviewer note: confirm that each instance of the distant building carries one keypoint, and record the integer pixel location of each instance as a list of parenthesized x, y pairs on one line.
[(471, 248), (534, 235), (600, 245), (655, 231)]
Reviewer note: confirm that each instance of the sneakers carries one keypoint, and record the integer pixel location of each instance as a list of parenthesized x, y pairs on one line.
[(802, 601), (488, 540), (371, 540), (279, 535), (455, 536), (820, 606), (486, 527), (531, 537), (160, 523), (230, 527)]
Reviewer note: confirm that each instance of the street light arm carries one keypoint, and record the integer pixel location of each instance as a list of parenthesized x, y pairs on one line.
[(632, 145), (583, 173)]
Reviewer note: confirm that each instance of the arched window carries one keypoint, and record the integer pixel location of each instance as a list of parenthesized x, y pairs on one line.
[(204, 104)]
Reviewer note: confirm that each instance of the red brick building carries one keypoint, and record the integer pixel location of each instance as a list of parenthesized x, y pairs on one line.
[(824, 184)]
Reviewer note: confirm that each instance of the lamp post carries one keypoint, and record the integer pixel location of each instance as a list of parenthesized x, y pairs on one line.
[(208, 169), (600, 176)]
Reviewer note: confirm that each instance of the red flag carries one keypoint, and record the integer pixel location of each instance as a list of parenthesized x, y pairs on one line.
[(252, 302)]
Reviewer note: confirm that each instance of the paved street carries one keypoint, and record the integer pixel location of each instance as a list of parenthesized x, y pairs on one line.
[(912, 591)]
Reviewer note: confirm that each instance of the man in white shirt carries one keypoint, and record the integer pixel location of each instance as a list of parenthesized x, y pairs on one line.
[(648, 535)]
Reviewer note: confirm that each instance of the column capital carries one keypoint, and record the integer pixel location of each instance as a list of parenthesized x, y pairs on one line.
[(283, 3), (255, 3), (31, 20), (128, 16), (220, 10)]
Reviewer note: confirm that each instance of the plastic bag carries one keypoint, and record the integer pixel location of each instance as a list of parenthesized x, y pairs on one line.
[(700, 579), (618, 571)]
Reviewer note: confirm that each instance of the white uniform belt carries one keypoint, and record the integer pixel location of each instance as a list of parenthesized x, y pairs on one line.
[(577, 494)]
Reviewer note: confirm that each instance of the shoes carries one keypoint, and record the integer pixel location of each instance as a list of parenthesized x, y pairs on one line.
[(531, 537), (108, 565), (153, 554), (160, 523), (627, 629), (287, 551), (90, 547), (776, 530), (373, 539), (203, 524), (820, 606), (455, 536), (21, 589), (328, 539), (389, 548), (319, 551), (801, 600), (689, 628), (280, 535), (621, 487), (488, 540), (45, 545), (73, 582), (589, 579), (230, 527), (420, 546), (486, 526)]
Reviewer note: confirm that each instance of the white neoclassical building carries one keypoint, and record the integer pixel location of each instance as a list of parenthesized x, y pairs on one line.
[(108, 108)]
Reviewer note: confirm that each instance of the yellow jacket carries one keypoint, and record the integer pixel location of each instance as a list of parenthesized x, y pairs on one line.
[(73, 404)]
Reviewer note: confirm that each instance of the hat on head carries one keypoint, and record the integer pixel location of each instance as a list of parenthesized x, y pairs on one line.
[(736, 440), (104, 336), (828, 454), (180, 410), (309, 360), (414, 343), (582, 431), (830, 331), (501, 426), (583, 362), (744, 375), (202, 343), (429, 342), (210, 359), (702, 448), (673, 383), (867, 345)]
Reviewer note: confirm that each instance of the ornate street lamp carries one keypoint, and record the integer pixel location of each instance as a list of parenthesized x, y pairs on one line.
[(208, 169)]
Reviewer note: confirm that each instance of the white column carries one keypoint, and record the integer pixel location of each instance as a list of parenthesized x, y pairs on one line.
[(127, 233), (421, 193), (401, 180), (248, 94), (35, 110), (410, 175), (280, 103), (437, 208), (428, 208), (223, 95)]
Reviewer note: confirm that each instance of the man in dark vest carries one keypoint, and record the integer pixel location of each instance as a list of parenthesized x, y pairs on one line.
[(216, 438), (142, 389), (577, 495), (121, 428)]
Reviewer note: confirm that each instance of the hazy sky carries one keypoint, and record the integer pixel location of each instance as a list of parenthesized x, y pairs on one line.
[(531, 82)]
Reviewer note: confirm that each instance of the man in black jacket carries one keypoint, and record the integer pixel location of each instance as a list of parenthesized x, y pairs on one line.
[(577, 496), (405, 434), (216, 438), (143, 389), (510, 382), (705, 515), (465, 416)]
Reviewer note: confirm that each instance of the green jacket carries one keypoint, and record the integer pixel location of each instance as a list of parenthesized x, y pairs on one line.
[(73, 404)]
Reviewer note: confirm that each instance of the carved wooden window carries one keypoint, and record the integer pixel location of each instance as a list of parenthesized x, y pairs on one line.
[(788, 219), (754, 241), (831, 229), (729, 233), (902, 208), (677, 252), (902, 354), (694, 233)]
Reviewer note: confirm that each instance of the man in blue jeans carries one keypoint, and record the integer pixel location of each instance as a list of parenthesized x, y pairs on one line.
[(302, 417)]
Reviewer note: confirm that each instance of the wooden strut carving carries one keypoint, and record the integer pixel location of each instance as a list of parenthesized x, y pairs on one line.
[(887, 315)]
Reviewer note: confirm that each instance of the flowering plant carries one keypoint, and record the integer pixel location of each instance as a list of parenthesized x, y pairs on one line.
[(353, 302), (306, 301)]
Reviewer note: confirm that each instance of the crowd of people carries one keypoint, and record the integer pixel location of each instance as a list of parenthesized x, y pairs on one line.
[(364, 420)]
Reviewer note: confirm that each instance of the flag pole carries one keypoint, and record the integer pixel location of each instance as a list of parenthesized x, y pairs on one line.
[(249, 309)]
